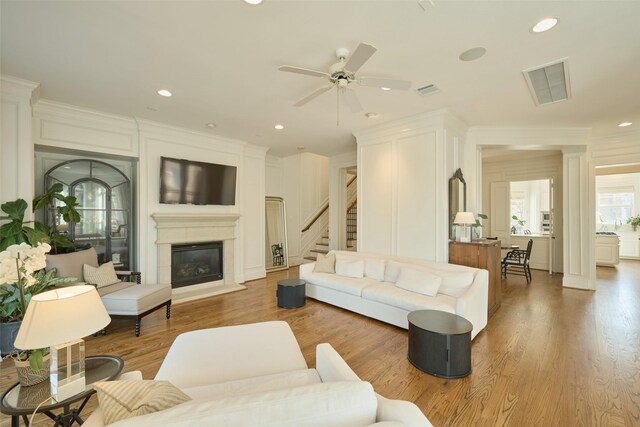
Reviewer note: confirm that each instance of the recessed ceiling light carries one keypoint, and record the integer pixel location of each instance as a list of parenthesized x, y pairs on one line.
[(472, 54), (385, 88), (253, 2), (67, 167), (625, 124), (279, 126), (211, 125), (370, 115), (544, 25), (164, 92)]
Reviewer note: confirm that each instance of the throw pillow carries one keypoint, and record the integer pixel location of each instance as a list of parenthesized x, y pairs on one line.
[(350, 268), (104, 275), (120, 400), (419, 281), (374, 269), (325, 264), (455, 284)]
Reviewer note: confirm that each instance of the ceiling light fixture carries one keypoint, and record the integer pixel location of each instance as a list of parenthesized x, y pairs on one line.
[(385, 88), (279, 126), (624, 124), (544, 25), (164, 92), (211, 125), (253, 2), (472, 54)]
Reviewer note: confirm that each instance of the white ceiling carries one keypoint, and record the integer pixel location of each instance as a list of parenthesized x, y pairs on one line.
[(220, 60)]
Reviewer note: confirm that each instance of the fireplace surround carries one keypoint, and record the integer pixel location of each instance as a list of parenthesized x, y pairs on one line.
[(182, 229)]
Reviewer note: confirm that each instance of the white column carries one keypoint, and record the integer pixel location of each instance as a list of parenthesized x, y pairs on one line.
[(579, 229), (16, 145)]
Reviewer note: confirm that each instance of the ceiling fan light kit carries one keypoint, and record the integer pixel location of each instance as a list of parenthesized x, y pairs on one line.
[(343, 73)]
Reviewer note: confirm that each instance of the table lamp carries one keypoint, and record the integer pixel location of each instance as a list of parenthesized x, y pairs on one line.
[(59, 319), (465, 219)]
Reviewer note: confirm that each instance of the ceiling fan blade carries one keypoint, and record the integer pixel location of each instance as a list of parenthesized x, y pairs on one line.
[(361, 55), (313, 95), (351, 100), (388, 83), (305, 71)]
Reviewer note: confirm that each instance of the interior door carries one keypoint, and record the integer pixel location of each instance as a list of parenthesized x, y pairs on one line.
[(500, 217), (551, 228)]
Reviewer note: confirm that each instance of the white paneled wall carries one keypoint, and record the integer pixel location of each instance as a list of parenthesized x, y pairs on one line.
[(403, 173), (63, 130)]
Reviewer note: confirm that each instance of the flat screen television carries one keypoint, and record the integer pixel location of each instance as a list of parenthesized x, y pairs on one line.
[(196, 183)]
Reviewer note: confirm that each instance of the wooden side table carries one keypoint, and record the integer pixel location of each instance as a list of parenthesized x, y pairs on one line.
[(19, 401), (440, 343)]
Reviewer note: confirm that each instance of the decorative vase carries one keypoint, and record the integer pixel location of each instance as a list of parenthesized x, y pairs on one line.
[(27, 376), (8, 333)]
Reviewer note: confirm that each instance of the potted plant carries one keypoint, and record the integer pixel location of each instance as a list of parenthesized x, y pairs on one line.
[(478, 224), (520, 224), (22, 276), (634, 221)]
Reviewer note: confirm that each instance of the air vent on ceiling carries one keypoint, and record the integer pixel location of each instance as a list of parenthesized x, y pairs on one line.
[(428, 90), (549, 83)]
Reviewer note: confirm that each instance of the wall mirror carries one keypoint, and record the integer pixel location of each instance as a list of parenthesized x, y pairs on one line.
[(276, 235), (457, 199)]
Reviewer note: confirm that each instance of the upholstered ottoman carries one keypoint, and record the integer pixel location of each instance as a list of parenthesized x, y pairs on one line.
[(136, 300)]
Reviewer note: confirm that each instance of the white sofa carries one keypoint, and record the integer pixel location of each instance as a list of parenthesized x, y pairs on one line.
[(256, 375), (463, 291)]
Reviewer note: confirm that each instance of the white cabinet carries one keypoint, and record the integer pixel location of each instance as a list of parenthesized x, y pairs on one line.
[(607, 250)]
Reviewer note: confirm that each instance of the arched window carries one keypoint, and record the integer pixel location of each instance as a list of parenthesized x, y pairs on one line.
[(104, 197)]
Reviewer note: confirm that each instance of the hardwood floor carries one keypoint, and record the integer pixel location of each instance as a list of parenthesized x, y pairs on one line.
[(549, 356)]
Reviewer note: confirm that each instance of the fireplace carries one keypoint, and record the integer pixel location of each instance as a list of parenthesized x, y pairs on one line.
[(195, 263)]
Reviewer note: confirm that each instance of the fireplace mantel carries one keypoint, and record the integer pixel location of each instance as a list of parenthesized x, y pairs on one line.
[(181, 228)]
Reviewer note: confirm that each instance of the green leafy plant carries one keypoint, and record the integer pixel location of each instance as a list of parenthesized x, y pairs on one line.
[(17, 231), (478, 218), (634, 221), (521, 222)]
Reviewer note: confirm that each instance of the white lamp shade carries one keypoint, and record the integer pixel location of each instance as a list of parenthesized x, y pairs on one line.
[(464, 218), (61, 315)]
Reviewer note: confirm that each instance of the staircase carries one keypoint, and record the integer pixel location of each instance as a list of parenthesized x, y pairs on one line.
[(322, 247), (352, 227)]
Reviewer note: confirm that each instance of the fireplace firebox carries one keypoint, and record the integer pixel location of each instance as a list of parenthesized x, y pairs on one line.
[(195, 263)]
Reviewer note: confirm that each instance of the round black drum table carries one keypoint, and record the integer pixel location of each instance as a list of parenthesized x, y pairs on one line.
[(440, 343), (291, 293)]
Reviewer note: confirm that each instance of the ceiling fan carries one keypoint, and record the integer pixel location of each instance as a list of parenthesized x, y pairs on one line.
[(343, 73)]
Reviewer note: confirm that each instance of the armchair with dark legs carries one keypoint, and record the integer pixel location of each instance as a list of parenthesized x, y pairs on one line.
[(517, 262)]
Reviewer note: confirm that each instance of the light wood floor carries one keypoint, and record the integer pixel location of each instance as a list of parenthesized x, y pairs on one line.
[(549, 356)]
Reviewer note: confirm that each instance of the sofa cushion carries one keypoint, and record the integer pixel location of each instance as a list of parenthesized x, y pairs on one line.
[(325, 264), (455, 284), (125, 399), (104, 275), (392, 271), (419, 281), (350, 268), (252, 385), (345, 403), (348, 285), (374, 268), (70, 265), (137, 299), (389, 294)]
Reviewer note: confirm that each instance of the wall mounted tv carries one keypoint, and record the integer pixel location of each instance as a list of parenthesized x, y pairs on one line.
[(196, 183)]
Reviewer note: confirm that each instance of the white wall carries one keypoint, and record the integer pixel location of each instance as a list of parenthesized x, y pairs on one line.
[(71, 129), (305, 192), (403, 173)]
